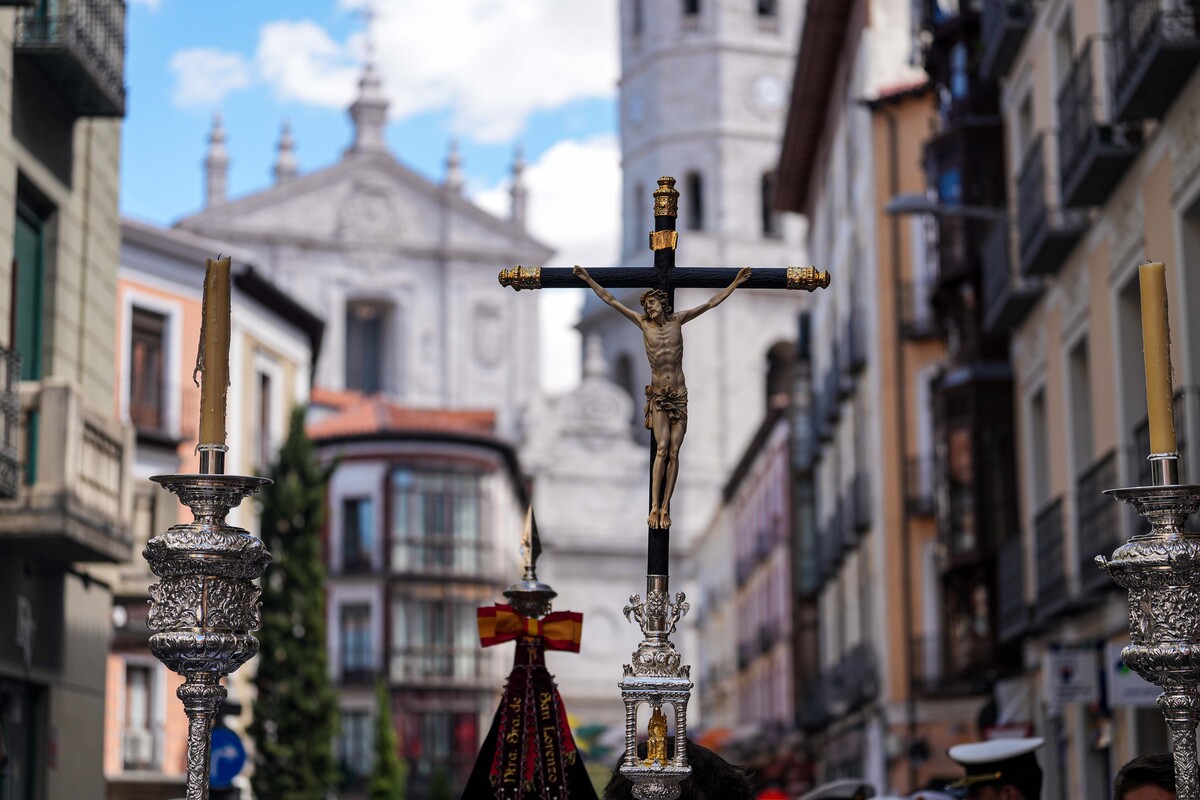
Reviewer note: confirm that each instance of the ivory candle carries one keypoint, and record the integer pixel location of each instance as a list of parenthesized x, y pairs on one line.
[(1156, 348), (214, 381)]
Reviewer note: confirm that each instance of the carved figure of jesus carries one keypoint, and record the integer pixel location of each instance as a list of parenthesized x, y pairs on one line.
[(666, 396)]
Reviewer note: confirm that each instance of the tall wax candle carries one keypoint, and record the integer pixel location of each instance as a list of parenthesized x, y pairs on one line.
[(214, 380), (1156, 346)]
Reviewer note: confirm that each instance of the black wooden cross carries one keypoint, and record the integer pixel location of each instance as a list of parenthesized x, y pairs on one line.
[(666, 277)]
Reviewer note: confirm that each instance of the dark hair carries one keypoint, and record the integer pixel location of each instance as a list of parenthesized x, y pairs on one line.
[(1156, 769), (712, 778)]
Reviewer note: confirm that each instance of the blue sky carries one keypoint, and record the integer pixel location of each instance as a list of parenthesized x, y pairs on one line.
[(491, 73)]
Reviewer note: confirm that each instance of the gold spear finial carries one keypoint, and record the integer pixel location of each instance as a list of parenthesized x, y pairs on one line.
[(531, 546)]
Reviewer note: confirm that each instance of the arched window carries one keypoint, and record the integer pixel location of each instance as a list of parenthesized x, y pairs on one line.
[(771, 224), (367, 350), (623, 373), (694, 201), (637, 20), (691, 7)]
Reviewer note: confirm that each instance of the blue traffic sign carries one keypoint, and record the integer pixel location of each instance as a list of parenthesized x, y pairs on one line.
[(228, 758)]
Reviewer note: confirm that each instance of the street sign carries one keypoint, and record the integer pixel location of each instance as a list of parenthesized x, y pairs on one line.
[(228, 758)]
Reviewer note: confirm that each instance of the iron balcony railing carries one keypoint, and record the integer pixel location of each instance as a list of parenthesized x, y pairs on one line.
[(1002, 29), (82, 46), (1051, 565), (918, 320), (10, 420), (1046, 234), (1097, 520), (1006, 300), (1012, 612), (1031, 194), (1156, 46), (1092, 154)]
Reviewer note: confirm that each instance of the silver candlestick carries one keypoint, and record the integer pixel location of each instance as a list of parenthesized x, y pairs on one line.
[(1161, 571), (656, 678), (206, 603)]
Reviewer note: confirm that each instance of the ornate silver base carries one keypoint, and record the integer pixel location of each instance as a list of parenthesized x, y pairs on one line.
[(206, 603), (1161, 571), (656, 678)]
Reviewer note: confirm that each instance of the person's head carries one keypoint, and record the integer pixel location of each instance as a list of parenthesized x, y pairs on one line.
[(712, 778), (1149, 777), (654, 303), (999, 769)]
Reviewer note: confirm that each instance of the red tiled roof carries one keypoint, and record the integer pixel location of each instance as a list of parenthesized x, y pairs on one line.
[(366, 415)]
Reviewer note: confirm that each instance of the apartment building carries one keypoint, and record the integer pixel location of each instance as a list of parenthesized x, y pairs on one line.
[(1101, 108), (859, 119), (426, 508), (273, 349)]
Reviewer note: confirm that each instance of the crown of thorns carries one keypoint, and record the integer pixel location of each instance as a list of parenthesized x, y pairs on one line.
[(659, 294)]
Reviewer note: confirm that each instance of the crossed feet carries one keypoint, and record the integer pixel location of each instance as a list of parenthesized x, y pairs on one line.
[(658, 519)]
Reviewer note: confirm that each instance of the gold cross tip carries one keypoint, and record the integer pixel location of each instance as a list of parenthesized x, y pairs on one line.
[(520, 277), (807, 278), (666, 198)]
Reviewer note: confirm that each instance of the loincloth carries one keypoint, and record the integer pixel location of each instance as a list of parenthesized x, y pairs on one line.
[(670, 401)]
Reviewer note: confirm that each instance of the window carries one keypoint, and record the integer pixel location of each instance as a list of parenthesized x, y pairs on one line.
[(637, 17), (266, 452), (147, 373), (771, 227), (366, 346), (29, 245), (358, 534), (138, 734), (767, 8), (691, 7), (781, 359), (434, 639), (437, 521), (356, 656), (354, 745), (694, 201), (1079, 375), (1039, 467)]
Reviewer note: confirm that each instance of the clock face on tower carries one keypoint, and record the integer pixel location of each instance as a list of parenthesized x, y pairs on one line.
[(769, 92)]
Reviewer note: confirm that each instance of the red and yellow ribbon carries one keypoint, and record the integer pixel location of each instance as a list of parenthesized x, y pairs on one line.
[(561, 630)]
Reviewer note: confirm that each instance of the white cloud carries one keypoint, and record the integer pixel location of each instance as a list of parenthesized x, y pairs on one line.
[(574, 206), (204, 76), (301, 62), (493, 62)]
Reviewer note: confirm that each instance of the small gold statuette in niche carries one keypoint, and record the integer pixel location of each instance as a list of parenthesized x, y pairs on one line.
[(656, 744)]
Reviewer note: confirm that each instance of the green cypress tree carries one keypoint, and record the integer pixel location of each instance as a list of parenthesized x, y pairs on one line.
[(295, 711), (439, 784), (389, 774)]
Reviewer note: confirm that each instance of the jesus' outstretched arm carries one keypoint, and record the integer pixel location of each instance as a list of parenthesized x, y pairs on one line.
[(718, 298), (606, 295)]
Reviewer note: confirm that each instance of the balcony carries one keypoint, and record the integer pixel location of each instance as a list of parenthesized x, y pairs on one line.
[(443, 556), (1097, 521), (1006, 299), (812, 712), (1092, 155), (1012, 612), (74, 503), (438, 664), (919, 485), (10, 418), (1047, 235), (1004, 25), (1051, 561), (1155, 50), (81, 49), (917, 319)]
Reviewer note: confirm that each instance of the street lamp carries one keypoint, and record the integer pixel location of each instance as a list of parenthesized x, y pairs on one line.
[(905, 204)]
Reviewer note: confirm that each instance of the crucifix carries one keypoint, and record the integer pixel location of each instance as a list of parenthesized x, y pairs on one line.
[(656, 677)]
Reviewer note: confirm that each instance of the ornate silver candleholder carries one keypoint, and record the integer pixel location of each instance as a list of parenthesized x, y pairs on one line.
[(1161, 571), (206, 603), (656, 678)]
